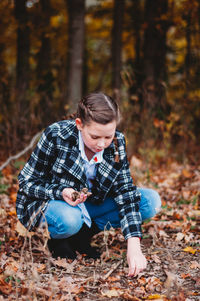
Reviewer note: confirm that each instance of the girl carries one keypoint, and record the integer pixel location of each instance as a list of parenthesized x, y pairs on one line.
[(87, 152)]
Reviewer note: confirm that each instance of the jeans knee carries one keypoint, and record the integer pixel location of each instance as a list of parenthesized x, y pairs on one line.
[(157, 201), (150, 203), (63, 222), (69, 226)]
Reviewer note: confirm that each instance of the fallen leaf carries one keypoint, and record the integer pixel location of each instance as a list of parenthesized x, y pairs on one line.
[(129, 297), (194, 213), (155, 258), (11, 213), (171, 279), (111, 293), (186, 194), (195, 265), (190, 250), (184, 276), (179, 236), (156, 297), (186, 173), (5, 287), (22, 231), (135, 162), (41, 267)]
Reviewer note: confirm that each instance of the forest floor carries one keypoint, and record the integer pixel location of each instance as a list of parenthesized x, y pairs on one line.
[(171, 243)]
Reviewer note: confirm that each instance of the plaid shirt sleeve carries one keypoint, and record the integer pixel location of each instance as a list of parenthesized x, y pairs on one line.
[(33, 179), (127, 197)]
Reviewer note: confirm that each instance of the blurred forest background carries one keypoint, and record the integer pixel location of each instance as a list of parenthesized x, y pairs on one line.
[(144, 53)]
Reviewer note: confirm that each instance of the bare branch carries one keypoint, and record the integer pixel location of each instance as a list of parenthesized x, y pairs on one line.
[(22, 152), (113, 269)]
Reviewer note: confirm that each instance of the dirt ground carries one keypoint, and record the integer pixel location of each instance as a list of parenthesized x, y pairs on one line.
[(171, 243)]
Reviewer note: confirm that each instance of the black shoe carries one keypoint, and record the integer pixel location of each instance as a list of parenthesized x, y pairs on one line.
[(81, 241), (61, 248)]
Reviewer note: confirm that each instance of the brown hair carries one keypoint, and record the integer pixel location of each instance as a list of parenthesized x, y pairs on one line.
[(98, 107)]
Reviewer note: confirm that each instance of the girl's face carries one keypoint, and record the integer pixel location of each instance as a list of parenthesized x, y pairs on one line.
[(96, 136)]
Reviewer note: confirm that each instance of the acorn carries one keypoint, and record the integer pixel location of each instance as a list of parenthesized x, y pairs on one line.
[(77, 194)]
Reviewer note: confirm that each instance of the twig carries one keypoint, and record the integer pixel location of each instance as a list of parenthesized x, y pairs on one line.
[(112, 270), (31, 144)]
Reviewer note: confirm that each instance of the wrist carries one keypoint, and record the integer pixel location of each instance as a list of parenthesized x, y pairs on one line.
[(133, 243)]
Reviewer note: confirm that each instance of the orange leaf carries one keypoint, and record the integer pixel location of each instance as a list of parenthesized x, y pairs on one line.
[(186, 173), (190, 250), (6, 171), (13, 196), (11, 213), (157, 297), (185, 275), (5, 287)]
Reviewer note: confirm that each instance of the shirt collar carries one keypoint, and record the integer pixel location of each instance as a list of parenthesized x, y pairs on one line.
[(97, 158)]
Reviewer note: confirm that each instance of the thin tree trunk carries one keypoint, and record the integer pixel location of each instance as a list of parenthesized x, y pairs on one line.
[(154, 53), (137, 19), (117, 46), (23, 48), (21, 113), (188, 48), (155, 39), (76, 31), (44, 73)]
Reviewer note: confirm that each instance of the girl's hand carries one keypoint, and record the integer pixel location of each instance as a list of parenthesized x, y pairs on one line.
[(136, 260), (67, 196)]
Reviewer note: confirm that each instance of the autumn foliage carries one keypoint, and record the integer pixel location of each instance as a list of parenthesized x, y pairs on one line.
[(170, 243), (145, 53)]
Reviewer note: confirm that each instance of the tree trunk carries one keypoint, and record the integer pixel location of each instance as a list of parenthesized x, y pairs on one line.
[(76, 31), (154, 53), (137, 21), (44, 73), (155, 39), (23, 48), (188, 57), (117, 46)]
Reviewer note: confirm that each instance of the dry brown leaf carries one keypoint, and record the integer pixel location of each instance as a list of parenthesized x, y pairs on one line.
[(111, 293), (5, 287), (129, 297), (186, 173), (195, 265), (179, 236), (155, 258), (171, 279), (22, 231)]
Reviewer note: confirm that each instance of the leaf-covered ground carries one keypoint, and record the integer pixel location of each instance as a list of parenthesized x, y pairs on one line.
[(171, 242)]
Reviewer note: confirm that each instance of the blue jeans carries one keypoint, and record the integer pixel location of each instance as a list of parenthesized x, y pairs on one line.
[(64, 220)]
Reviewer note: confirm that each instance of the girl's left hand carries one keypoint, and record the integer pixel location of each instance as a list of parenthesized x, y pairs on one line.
[(136, 260)]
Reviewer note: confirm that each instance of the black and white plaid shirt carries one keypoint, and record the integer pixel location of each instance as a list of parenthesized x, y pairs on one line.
[(56, 163)]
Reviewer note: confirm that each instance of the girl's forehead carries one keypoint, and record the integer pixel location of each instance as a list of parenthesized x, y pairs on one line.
[(101, 129)]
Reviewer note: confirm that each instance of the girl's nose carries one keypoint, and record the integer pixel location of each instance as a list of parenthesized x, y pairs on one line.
[(101, 143)]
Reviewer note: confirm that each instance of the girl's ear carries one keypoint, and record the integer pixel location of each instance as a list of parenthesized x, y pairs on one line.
[(79, 124)]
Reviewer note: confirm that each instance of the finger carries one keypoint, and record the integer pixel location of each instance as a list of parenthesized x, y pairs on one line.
[(71, 203), (83, 197), (131, 271), (137, 271)]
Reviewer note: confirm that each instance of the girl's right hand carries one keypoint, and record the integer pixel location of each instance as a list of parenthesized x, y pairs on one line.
[(67, 196)]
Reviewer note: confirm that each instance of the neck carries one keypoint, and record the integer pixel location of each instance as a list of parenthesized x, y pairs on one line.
[(88, 152)]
